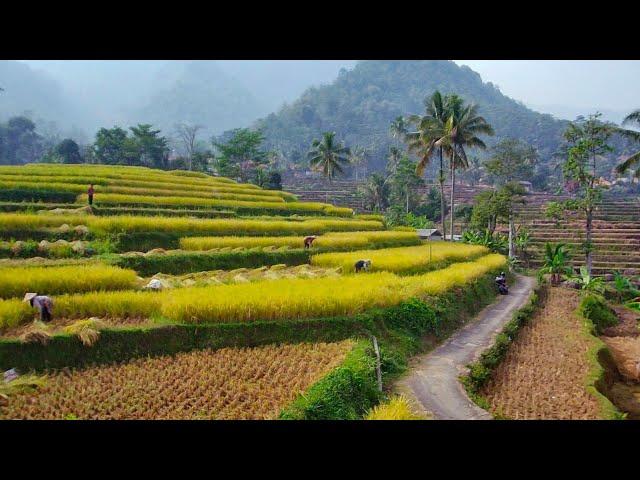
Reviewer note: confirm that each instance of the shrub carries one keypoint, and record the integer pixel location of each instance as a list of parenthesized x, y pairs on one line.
[(346, 393), (595, 309)]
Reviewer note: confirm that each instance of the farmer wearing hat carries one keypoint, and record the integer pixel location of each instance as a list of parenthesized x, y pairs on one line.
[(43, 303)]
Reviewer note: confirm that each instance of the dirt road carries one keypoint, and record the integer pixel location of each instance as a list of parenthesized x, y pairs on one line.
[(433, 382)]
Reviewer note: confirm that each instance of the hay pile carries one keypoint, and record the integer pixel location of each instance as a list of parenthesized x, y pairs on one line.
[(37, 332)]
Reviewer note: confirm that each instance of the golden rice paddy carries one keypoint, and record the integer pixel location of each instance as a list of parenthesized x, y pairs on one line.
[(230, 383)]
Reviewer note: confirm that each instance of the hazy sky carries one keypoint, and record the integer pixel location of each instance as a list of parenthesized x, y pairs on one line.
[(564, 88), (604, 84)]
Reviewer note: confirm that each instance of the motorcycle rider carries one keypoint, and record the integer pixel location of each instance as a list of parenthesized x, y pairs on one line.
[(501, 282)]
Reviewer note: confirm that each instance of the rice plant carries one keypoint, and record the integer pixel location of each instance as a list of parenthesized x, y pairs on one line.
[(10, 222), (279, 300), (397, 408), (112, 198), (16, 281), (331, 240), (405, 260), (228, 383), (322, 297)]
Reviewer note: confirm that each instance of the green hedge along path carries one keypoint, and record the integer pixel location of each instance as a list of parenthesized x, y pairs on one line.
[(434, 381)]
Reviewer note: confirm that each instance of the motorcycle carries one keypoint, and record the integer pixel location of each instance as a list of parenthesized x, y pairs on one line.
[(501, 282)]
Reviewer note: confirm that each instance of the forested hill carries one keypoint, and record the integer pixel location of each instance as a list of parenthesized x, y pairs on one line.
[(360, 104)]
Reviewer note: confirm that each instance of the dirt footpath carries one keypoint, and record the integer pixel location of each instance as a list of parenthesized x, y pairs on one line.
[(433, 382), (543, 374)]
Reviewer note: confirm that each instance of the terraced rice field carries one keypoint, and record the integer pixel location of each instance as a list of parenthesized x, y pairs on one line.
[(228, 258), (230, 383), (616, 235), (542, 376), (405, 260), (277, 300)]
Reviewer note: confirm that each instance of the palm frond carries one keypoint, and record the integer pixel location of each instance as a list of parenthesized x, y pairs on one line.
[(628, 163)]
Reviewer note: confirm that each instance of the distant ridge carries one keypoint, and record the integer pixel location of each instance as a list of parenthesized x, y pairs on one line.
[(360, 104)]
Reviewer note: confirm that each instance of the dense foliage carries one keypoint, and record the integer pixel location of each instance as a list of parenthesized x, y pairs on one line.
[(362, 102)]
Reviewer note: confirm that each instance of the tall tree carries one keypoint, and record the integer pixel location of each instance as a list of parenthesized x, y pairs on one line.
[(398, 129), (20, 143), (242, 151), (111, 147), (393, 159), (511, 161), (431, 129), (357, 158), (462, 127), (67, 151), (633, 160), (153, 149), (586, 143), (187, 134), (404, 184), (376, 192), (328, 156)]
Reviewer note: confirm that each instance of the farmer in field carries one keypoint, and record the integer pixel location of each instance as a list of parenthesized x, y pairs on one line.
[(362, 265), (43, 303), (309, 240), (90, 193)]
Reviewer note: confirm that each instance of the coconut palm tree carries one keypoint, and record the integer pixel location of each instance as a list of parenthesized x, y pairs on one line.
[(399, 128), (357, 157), (633, 160), (461, 130), (430, 129), (376, 192), (328, 156), (393, 158)]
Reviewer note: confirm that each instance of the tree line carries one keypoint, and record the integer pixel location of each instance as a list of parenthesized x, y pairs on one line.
[(238, 154)]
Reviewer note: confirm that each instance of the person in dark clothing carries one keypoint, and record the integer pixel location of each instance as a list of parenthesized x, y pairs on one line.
[(362, 265), (43, 303), (309, 240), (90, 193), (501, 282)]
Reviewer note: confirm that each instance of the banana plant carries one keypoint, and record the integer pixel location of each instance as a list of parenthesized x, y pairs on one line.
[(494, 242), (623, 287), (588, 282), (556, 262)]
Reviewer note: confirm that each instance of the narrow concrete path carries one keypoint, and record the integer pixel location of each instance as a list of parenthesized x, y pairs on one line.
[(433, 382)]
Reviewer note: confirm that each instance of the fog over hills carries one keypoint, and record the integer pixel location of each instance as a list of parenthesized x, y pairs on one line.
[(76, 97), (220, 95)]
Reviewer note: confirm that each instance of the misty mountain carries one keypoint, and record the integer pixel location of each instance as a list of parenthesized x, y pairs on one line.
[(361, 103), (218, 94), (197, 92), (278, 81), (37, 95)]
